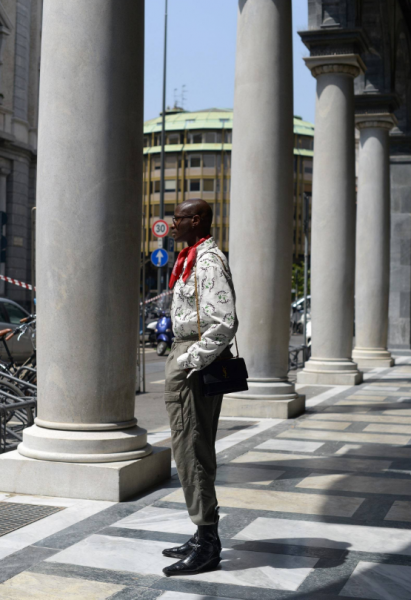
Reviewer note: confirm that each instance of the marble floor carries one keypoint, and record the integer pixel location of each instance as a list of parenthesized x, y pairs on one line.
[(315, 508)]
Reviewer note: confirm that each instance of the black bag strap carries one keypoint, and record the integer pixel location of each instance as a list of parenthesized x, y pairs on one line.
[(197, 303)]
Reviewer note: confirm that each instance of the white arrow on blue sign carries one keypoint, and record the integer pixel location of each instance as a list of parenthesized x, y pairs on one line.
[(159, 257)]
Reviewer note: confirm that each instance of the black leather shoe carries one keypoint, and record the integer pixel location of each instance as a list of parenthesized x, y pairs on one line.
[(184, 550), (205, 555)]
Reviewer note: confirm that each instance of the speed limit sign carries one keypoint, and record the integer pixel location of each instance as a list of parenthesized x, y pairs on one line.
[(160, 228)]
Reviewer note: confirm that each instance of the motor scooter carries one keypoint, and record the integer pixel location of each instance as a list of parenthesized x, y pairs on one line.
[(165, 335)]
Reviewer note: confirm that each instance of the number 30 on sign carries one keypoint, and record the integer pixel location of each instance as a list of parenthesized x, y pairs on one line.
[(160, 228)]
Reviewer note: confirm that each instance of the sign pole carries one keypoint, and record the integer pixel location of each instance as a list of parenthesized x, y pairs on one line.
[(306, 220), (163, 132)]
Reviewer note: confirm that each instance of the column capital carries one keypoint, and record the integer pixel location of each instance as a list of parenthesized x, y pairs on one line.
[(342, 64), (379, 120)]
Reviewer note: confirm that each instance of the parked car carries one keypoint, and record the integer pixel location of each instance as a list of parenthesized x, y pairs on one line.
[(10, 315)]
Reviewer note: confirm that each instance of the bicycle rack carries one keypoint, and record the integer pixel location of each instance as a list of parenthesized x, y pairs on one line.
[(294, 360), (13, 419)]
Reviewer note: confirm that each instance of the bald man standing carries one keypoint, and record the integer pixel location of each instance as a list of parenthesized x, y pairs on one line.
[(194, 416)]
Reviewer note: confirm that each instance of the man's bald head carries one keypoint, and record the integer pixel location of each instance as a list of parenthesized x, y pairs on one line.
[(192, 221), (196, 206)]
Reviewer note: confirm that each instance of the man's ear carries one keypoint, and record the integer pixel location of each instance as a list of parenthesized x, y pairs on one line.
[(196, 220)]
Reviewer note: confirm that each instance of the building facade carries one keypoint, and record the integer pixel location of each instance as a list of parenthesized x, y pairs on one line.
[(198, 165), (20, 36)]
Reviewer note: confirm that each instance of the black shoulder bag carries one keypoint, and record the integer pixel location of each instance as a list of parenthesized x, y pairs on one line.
[(224, 375)]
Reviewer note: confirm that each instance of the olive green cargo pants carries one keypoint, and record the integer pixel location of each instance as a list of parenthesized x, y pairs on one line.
[(193, 420)]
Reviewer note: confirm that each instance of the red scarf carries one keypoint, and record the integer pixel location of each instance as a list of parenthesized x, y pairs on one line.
[(190, 252)]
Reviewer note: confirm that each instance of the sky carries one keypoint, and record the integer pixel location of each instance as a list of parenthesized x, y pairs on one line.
[(201, 56)]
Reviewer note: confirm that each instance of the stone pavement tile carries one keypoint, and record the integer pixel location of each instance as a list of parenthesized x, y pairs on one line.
[(399, 511), (36, 586), (368, 418), (299, 461), (289, 445), (364, 403), (228, 474), (242, 568), (182, 596), (379, 582), (368, 397), (382, 384), (313, 424), (154, 518), (358, 484), (22, 561), (344, 436), (75, 513), (312, 534), (387, 428), (137, 593), (403, 412), (288, 502), (374, 450), (381, 387)]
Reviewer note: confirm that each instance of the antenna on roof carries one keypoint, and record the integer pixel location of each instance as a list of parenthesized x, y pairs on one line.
[(183, 95), (175, 97)]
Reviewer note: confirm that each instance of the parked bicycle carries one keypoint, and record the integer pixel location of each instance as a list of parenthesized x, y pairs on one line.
[(18, 390)]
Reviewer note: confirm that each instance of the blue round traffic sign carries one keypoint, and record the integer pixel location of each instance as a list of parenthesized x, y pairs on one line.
[(159, 257)]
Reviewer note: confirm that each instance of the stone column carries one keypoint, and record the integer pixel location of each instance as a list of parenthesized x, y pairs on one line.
[(373, 242), (261, 207), (88, 253), (333, 223)]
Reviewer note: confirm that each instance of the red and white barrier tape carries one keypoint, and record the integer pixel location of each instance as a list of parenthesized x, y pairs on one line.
[(26, 286), (157, 297)]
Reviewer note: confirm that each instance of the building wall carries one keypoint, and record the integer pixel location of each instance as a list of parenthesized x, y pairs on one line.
[(19, 85), (198, 165)]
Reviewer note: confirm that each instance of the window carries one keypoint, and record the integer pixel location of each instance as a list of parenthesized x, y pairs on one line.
[(147, 141), (227, 161), (169, 210), (195, 161), (156, 186), (189, 121), (306, 143), (171, 161), (157, 161), (195, 185), (174, 139), (14, 312), (196, 138), (228, 137), (208, 185), (170, 185), (209, 137), (155, 210), (209, 161)]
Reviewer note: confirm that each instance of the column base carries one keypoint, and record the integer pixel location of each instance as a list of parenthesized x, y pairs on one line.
[(372, 358), (268, 399), (338, 371), (84, 446), (113, 482)]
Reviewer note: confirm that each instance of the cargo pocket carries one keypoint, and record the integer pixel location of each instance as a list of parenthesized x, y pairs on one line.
[(174, 407)]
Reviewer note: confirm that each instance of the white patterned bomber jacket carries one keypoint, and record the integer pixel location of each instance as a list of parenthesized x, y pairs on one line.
[(218, 319)]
